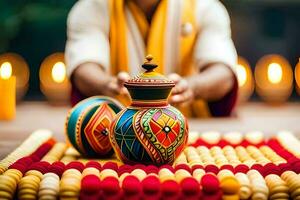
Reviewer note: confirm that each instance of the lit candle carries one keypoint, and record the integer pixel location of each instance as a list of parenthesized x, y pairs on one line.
[(55, 84), (274, 78), (7, 92), (20, 71)]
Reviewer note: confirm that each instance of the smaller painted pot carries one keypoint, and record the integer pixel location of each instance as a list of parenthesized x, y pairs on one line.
[(87, 125)]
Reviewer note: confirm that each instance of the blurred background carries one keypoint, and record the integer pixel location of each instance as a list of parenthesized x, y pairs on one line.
[(266, 34)]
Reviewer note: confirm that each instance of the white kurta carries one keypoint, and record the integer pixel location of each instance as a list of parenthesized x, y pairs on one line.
[(88, 36)]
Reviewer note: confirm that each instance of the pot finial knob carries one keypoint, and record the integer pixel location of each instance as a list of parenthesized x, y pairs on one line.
[(149, 65)]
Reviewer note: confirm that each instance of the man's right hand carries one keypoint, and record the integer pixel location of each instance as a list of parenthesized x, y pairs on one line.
[(91, 79), (115, 85)]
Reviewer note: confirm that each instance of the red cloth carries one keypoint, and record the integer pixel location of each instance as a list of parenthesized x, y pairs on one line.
[(225, 106)]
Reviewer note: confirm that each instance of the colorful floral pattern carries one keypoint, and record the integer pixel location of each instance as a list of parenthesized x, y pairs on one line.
[(149, 136), (87, 125)]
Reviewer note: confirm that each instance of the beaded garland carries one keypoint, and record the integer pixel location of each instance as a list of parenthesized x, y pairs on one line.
[(202, 171), (87, 125)]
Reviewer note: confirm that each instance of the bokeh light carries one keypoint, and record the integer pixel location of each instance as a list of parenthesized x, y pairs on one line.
[(59, 72), (54, 83), (245, 79), (274, 78), (274, 73), (242, 75), (5, 70)]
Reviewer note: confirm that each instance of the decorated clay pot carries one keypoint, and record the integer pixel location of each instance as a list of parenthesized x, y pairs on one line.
[(149, 131), (87, 125)]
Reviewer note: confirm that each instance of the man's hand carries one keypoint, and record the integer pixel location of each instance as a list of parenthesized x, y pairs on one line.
[(182, 92), (91, 79), (115, 85), (122, 77)]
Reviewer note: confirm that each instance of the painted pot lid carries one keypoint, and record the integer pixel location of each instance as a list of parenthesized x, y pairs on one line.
[(150, 78)]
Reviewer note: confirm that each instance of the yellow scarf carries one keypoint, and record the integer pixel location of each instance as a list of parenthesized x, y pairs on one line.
[(154, 36)]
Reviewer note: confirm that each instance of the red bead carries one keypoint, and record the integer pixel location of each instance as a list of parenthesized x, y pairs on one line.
[(169, 167), (110, 165), (41, 166), (190, 185), (139, 166), (151, 169), (20, 167), (94, 164), (296, 167), (125, 169), (241, 168), (228, 167), (183, 166), (214, 196), (222, 143), (151, 184), (212, 168), (110, 185), (57, 167), (293, 160), (245, 143), (285, 167), (83, 196), (131, 185), (197, 167), (170, 188), (271, 168), (35, 158), (75, 165), (90, 184), (201, 142), (27, 160), (43, 149), (210, 183), (258, 167), (260, 144)]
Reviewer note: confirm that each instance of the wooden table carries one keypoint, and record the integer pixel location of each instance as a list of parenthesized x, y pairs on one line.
[(251, 116)]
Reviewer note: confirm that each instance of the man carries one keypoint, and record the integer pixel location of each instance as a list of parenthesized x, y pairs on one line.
[(190, 40)]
